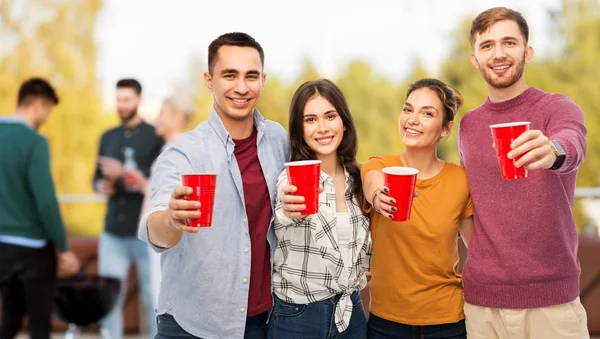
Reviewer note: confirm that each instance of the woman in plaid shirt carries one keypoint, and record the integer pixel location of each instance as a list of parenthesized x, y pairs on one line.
[(320, 261)]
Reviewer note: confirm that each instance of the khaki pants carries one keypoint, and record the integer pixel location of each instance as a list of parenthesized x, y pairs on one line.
[(563, 321)]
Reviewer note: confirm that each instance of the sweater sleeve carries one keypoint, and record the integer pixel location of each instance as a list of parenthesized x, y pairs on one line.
[(44, 195), (565, 124)]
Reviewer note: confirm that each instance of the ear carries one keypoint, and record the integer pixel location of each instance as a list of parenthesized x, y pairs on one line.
[(447, 129), (474, 60), (528, 54), (208, 81)]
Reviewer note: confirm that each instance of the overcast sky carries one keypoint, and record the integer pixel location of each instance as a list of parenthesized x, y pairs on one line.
[(154, 40)]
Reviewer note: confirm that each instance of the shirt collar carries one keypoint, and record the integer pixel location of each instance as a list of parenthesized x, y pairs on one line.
[(217, 124), (15, 118)]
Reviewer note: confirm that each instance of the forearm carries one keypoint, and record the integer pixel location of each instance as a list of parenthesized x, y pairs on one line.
[(160, 231), (567, 127), (53, 223), (373, 179), (573, 142), (46, 203)]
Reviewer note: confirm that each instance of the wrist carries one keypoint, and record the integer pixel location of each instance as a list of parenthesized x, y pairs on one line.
[(373, 197), (559, 154)]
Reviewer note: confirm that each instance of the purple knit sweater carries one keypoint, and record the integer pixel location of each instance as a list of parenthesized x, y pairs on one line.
[(523, 249)]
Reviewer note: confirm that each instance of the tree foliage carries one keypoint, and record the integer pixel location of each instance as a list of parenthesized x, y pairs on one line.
[(58, 43)]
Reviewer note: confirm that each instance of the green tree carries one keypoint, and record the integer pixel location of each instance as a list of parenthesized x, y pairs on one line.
[(55, 40)]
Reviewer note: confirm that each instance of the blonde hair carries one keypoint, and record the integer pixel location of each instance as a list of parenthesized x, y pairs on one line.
[(181, 104)]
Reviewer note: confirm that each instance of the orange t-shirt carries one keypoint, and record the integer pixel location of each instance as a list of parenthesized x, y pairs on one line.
[(414, 264)]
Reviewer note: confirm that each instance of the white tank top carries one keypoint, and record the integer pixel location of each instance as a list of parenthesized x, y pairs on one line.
[(344, 233)]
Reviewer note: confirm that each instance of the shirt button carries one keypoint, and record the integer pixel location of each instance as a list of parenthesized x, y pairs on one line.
[(246, 250), (245, 220), (242, 310), (245, 281)]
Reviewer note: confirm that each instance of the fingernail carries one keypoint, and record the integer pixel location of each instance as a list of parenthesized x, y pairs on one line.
[(393, 202), (394, 209), (386, 191), (391, 217), (197, 204)]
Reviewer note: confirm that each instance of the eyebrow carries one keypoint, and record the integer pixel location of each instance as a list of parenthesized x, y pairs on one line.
[(424, 107), (314, 114), (506, 38), (235, 71)]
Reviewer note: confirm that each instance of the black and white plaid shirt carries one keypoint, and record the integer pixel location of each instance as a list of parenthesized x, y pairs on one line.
[(308, 265)]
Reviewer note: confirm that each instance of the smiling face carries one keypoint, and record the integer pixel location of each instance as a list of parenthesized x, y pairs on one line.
[(323, 127), (500, 54), (236, 82), (421, 123)]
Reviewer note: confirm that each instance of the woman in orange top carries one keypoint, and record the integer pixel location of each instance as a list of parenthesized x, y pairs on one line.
[(415, 286)]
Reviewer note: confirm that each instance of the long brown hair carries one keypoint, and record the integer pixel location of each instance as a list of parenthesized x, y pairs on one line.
[(346, 152)]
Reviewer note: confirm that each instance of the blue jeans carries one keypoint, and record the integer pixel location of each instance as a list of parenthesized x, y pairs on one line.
[(115, 256), (315, 320), (256, 328), (380, 328)]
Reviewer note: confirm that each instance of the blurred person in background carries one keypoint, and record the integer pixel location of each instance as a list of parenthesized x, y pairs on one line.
[(31, 227), (415, 286), (521, 276), (174, 118), (132, 146)]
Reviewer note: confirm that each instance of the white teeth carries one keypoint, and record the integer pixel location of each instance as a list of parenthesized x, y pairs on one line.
[(324, 141), (412, 131), (241, 101), (501, 67)]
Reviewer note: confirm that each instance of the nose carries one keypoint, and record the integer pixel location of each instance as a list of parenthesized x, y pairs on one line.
[(323, 125), (240, 86), (413, 119), (499, 52)]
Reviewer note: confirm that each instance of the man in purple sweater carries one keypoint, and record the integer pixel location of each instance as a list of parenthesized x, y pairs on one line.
[(521, 277)]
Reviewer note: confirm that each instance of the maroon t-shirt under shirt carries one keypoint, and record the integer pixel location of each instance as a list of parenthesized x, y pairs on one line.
[(258, 209)]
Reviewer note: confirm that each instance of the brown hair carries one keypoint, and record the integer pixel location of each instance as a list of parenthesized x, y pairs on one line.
[(232, 39), (130, 83), (346, 152), (450, 98), (487, 18), (36, 88)]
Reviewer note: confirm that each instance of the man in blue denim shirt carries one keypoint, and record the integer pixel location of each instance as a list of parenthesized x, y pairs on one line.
[(216, 281)]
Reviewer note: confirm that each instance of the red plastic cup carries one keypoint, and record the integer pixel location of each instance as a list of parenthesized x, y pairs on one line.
[(204, 185), (504, 135), (401, 182), (305, 175)]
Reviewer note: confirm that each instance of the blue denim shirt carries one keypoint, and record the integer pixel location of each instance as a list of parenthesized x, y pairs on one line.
[(205, 276)]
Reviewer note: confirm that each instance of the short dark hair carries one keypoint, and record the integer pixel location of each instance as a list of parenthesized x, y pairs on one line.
[(450, 98), (232, 39), (346, 151), (487, 18), (130, 83), (36, 88)]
